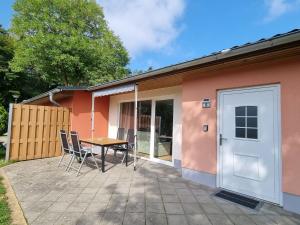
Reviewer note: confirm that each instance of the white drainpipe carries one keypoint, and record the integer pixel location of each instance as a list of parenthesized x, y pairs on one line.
[(52, 100)]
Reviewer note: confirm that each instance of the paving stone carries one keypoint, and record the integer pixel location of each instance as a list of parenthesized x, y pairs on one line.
[(156, 219), (230, 209), (211, 208), (59, 206), (241, 220), (197, 219), (78, 207), (187, 198), (173, 208), (48, 218), (154, 207), (84, 198), (96, 207), (219, 220), (68, 197), (192, 208), (134, 218), (170, 198), (262, 220), (68, 219), (177, 220), (134, 207), (89, 219), (183, 191), (116, 207), (112, 219), (204, 199)]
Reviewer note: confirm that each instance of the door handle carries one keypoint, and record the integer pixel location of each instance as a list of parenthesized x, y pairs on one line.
[(221, 139)]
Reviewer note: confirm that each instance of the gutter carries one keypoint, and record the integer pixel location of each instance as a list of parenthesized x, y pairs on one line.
[(52, 100)]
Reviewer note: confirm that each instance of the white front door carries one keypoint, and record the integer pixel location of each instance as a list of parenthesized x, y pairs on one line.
[(249, 155)]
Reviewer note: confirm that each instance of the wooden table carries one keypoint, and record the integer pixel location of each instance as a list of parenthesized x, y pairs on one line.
[(106, 142)]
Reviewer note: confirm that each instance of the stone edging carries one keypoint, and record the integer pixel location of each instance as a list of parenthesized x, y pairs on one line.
[(17, 215)]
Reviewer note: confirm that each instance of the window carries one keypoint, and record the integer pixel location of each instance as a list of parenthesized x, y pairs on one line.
[(246, 122)]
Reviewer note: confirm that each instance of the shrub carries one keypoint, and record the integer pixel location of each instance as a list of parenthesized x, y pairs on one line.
[(3, 120)]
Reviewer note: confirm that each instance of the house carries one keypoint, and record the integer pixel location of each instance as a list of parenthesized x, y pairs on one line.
[(229, 119)]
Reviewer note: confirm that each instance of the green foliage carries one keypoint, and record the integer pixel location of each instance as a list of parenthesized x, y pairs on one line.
[(10, 82), (5, 213), (3, 120), (66, 42)]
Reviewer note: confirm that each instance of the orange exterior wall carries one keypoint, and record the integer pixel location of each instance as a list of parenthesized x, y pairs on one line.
[(80, 105), (199, 149), (81, 114)]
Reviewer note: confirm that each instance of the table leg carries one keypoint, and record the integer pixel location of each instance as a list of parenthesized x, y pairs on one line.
[(126, 154), (102, 159)]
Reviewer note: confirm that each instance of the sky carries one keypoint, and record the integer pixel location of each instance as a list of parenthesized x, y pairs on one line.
[(160, 33)]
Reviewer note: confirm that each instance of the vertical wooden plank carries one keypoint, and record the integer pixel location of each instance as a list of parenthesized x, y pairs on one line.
[(32, 131), (40, 129), (59, 126), (46, 136), (24, 132), (15, 135), (53, 135)]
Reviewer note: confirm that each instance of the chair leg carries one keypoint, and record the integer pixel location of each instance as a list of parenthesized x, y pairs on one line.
[(61, 159), (70, 163), (81, 164), (95, 162)]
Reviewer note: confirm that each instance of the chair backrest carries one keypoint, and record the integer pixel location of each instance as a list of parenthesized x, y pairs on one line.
[(130, 137), (121, 133), (64, 141), (75, 142)]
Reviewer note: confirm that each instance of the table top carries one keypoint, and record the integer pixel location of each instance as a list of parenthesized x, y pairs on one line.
[(103, 141)]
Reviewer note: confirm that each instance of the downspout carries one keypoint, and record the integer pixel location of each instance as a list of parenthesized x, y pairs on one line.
[(52, 100)]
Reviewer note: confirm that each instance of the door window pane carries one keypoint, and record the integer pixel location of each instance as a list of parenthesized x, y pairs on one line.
[(240, 111), (252, 133), (252, 122), (240, 121), (251, 110), (240, 132)]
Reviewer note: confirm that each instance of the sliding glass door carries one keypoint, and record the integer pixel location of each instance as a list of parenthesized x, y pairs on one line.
[(143, 124), (163, 137), (159, 123)]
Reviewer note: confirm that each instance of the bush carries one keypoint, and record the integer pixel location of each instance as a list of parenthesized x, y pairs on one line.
[(3, 120)]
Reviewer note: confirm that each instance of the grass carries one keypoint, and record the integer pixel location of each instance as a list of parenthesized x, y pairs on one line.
[(5, 213), (2, 158)]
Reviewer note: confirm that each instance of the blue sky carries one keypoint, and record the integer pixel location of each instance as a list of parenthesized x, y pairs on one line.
[(159, 33)]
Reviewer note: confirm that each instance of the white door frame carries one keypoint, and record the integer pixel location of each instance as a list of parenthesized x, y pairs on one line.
[(278, 151)]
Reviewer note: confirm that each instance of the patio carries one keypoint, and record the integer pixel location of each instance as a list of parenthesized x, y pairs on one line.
[(154, 194)]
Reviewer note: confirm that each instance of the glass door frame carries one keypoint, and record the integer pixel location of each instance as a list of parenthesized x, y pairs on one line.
[(152, 129)]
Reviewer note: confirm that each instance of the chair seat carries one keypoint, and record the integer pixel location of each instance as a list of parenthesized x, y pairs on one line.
[(89, 154), (121, 149)]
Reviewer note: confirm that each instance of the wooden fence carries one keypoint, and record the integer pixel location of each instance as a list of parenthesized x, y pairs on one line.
[(33, 131)]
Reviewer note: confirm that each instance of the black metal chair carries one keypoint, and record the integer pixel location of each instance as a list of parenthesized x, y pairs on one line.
[(80, 152), (123, 148), (120, 136), (65, 148)]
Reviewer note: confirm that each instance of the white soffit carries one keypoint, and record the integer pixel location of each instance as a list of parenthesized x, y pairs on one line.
[(114, 90)]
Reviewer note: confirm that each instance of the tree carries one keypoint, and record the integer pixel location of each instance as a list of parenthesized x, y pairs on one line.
[(66, 42), (10, 82)]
